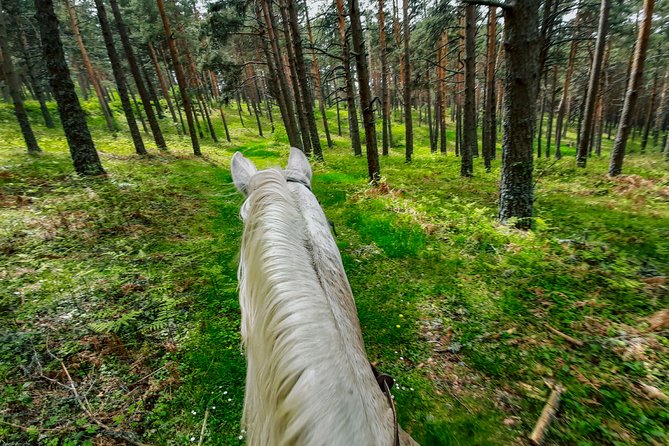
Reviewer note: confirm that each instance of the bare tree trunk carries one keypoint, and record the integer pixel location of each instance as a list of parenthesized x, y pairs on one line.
[(353, 130), (636, 76), (366, 99), (72, 117), (137, 75), (489, 118), (443, 60), (12, 81), (662, 109), (522, 70), (408, 120), (564, 100), (470, 142), (119, 76), (181, 80), (36, 79), (595, 74), (163, 86), (317, 77), (649, 115), (551, 112), (385, 99), (89, 68)]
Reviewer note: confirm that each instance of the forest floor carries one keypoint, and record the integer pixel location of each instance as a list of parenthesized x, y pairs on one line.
[(119, 316)]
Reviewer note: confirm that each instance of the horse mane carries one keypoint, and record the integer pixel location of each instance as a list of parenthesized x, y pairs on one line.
[(308, 380)]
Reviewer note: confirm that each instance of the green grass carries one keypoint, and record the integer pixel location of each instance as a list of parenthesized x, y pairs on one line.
[(130, 280)]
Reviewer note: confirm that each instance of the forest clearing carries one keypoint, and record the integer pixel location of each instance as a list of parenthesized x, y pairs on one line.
[(485, 284)]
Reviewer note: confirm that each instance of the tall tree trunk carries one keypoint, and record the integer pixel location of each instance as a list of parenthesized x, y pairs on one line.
[(163, 86), (662, 109), (106, 112), (551, 112), (72, 117), (385, 99), (649, 115), (564, 100), (225, 123), (317, 77), (12, 81), (522, 70), (489, 118), (301, 70), (636, 76), (366, 99), (36, 79), (470, 142), (181, 79), (137, 75), (442, 88), (119, 77), (353, 129), (595, 74), (408, 120)]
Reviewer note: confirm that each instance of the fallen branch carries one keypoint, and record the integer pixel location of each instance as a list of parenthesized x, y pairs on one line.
[(547, 414), (566, 337), (204, 426)]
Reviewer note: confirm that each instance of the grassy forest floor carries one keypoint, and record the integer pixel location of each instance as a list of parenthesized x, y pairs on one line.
[(125, 288)]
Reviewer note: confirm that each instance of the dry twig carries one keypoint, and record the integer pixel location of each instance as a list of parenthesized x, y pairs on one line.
[(547, 414), (564, 336)]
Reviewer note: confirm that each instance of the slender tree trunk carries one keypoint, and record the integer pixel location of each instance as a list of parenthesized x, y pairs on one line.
[(35, 78), (353, 129), (489, 118), (106, 112), (152, 92), (72, 117), (137, 75), (522, 70), (366, 99), (183, 86), (564, 100), (301, 70), (649, 115), (12, 81), (595, 74), (225, 124), (551, 112), (470, 142), (163, 86), (385, 99), (119, 76), (636, 76), (317, 77), (542, 113), (442, 88), (662, 109), (408, 120)]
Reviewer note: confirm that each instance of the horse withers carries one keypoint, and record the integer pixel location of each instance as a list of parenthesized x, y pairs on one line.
[(308, 380)]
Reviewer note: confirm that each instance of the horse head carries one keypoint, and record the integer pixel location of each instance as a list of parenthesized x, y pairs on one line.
[(308, 379)]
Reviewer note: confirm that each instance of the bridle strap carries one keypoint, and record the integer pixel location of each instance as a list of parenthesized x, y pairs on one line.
[(302, 181), (391, 402)]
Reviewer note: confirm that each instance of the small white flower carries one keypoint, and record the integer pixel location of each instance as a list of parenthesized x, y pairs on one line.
[(404, 388), (401, 358), (396, 352), (225, 393), (214, 407), (243, 431), (193, 412), (411, 388), (229, 399), (192, 439), (240, 437)]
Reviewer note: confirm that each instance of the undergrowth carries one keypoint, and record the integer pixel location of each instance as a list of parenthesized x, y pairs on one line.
[(124, 288)]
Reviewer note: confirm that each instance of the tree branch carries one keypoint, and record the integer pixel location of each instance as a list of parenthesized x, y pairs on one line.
[(493, 3)]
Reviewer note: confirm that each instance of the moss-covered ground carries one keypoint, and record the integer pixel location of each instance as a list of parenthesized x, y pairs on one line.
[(123, 288)]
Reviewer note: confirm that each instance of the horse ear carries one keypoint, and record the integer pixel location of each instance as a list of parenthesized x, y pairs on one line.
[(298, 162), (242, 169)]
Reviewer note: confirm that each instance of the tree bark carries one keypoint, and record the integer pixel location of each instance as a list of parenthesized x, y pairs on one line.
[(353, 129), (595, 74), (12, 81), (636, 76), (163, 86), (137, 75), (470, 140), (119, 77), (551, 112), (408, 120), (181, 80), (662, 109), (564, 100), (649, 115), (366, 99), (385, 99), (89, 68), (317, 77), (305, 92), (37, 81), (72, 117), (522, 70), (489, 134)]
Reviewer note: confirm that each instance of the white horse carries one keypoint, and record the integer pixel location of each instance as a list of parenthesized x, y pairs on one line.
[(308, 380)]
